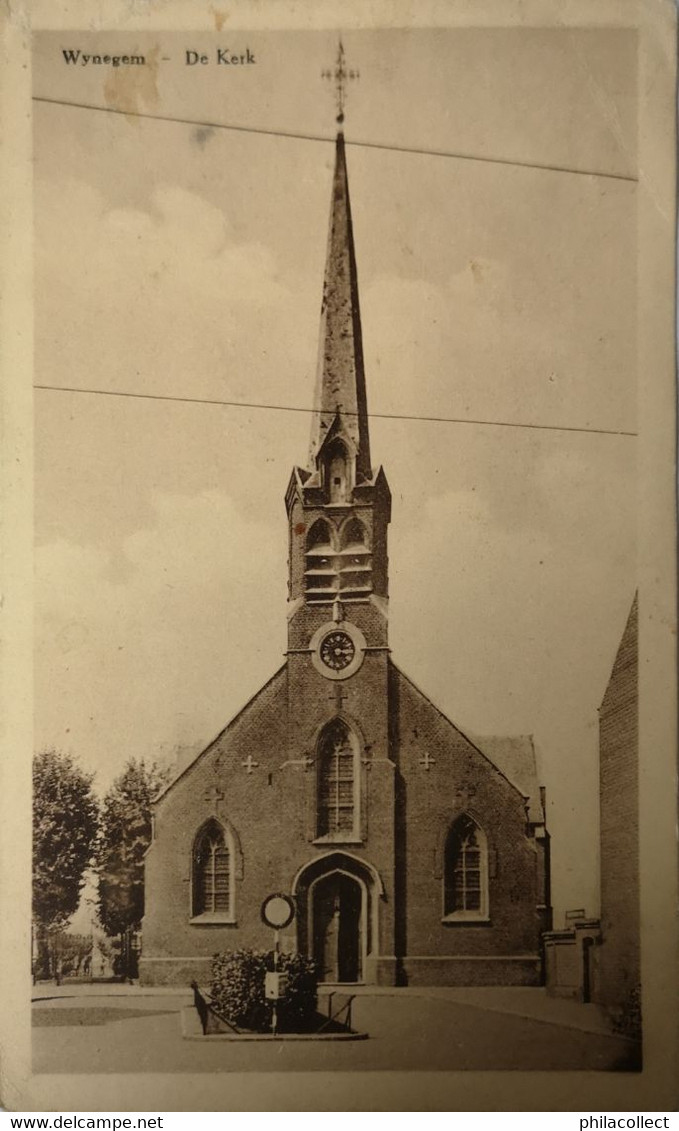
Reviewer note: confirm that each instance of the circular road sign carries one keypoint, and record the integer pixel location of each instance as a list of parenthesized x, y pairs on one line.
[(278, 911)]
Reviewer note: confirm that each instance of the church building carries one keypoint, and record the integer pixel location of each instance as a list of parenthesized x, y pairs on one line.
[(414, 853)]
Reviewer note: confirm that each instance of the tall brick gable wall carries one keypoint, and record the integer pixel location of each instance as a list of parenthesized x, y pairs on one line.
[(619, 801), (410, 775), (460, 779), (407, 812)]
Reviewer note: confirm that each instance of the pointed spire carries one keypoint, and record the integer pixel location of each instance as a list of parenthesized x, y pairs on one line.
[(340, 397), (340, 377)]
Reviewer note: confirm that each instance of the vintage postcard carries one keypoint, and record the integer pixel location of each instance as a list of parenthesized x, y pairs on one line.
[(341, 453)]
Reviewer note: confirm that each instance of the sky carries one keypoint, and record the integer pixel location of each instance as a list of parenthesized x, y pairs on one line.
[(181, 260)]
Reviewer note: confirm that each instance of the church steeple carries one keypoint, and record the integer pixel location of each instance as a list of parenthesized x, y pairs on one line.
[(340, 402), (339, 506)]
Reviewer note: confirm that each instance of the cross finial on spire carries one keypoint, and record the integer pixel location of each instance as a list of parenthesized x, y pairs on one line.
[(340, 404), (341, 75)]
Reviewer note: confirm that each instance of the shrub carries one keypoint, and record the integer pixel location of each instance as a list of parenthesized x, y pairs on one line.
[(237, 990), (297, 1010)]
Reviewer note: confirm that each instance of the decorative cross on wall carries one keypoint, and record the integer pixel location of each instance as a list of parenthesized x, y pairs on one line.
[(465, 793), (339, 695), (426, 760), (214, 795), (249, 764)]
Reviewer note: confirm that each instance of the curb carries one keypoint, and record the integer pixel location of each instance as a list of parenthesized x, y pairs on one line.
[(192, 1031), (597, 1031)]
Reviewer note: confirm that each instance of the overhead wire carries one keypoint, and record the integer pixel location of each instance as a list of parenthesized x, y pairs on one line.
[(354, 142), (358, 144), (312, 411)]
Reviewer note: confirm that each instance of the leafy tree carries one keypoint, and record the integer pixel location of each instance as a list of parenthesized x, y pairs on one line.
[(64, 831), (125, 834)]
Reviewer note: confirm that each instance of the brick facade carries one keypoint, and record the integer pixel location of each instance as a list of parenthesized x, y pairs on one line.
[(413, 854), (406, 813)]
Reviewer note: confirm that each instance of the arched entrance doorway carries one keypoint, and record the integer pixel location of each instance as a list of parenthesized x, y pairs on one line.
[(337, 922), (337, 927)]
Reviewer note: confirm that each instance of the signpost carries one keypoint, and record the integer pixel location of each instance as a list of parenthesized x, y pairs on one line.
[(278, 911)]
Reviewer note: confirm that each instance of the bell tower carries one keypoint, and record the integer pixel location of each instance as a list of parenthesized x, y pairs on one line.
[(338, 672), (339, 505)]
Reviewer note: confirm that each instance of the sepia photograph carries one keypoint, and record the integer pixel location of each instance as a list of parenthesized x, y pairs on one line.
[(338, 569)]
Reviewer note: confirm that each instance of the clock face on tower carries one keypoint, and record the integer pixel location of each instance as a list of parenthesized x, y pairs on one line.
[(337, 650)]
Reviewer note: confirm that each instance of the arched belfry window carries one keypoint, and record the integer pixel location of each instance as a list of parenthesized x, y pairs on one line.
[(321, 576), (356, 561), (319, 537), (338, 782), (466, 871), (212, 880), (354, 536)]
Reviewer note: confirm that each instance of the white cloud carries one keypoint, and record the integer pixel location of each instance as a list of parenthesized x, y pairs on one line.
[(165, 654), (165, 299)]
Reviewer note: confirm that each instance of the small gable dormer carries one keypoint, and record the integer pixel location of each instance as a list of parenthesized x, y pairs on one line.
[(336, 464), (337, 473)]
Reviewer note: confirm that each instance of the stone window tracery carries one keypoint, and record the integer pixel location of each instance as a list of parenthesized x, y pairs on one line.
[(466, 871), (212, 887), (337, 783)]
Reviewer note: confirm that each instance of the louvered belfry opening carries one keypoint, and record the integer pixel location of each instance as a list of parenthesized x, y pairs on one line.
[(355, 565), (337, 565)]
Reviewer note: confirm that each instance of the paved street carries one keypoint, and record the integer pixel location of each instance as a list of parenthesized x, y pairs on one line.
[(127, 1029)]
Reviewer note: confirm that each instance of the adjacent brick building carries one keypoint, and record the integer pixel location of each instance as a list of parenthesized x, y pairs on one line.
[(598, 959), (415, 853), (618, 978)]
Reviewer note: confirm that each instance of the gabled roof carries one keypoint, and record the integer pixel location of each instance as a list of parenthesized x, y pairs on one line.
[(515, 758), (626, 654), (234, 719)]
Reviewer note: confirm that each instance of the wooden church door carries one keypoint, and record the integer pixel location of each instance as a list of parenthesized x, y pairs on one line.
[(337, 928)]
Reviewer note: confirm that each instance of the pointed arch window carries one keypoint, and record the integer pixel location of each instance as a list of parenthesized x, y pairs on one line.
[(338, 783), (354, 536), (465, 893), (212, 887), (321, 575), (355, 561), (319, 538)]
